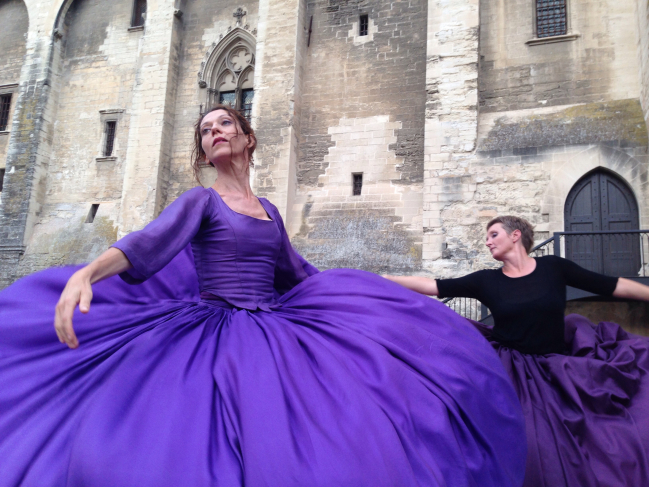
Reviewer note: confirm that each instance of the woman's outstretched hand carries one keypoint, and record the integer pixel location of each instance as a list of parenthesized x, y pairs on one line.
[(78, 291)]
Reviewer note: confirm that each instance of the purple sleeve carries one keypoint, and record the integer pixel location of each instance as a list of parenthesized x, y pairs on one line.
[(291, 268), (153, 247)]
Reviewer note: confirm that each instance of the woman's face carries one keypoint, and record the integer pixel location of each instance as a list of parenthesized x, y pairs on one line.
[(499, 242), (222, 138)]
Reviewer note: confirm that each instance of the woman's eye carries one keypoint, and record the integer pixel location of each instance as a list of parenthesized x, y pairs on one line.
[(227, 122), (205, 131)]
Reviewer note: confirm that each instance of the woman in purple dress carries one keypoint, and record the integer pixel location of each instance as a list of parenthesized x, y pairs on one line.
[(584, 388), (235, 362)]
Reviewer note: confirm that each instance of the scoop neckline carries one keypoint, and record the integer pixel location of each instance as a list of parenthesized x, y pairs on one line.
[(243, 214), (526, 275)]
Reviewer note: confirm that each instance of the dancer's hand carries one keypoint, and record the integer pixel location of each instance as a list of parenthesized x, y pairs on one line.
[(77, 291)]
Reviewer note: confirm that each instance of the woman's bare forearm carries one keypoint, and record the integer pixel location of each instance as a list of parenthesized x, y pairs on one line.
[(113, 261), (422, 285), (78, 291), (628, 289)]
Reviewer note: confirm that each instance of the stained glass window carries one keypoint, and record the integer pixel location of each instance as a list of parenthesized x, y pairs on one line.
[(228, 98), (246, 102), (551, 18)]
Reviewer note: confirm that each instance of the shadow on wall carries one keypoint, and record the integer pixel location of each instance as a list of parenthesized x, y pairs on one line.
[(366, 240)]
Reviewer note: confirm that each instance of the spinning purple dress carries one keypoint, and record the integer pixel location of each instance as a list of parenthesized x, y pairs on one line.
[(230, 366)]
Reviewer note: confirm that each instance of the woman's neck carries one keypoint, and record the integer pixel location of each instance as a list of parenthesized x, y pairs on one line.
[(233, 178), (518, 263)]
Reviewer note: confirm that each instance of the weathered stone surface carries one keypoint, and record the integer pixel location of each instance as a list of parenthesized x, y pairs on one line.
[(618, 120), (599, 64)]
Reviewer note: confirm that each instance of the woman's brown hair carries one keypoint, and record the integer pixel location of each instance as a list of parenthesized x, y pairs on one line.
[(511, 223), (198, 154)]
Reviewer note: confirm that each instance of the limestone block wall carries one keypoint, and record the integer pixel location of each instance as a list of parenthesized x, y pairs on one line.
[(451, 123), (596, 62), (14, 22), (361, 111), (642, 14), (95, 67)]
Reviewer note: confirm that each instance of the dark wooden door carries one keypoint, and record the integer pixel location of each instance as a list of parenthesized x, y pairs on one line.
[(600, 201)]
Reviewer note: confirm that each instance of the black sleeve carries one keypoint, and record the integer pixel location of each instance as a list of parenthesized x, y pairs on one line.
[(590, 281), (463, 287)]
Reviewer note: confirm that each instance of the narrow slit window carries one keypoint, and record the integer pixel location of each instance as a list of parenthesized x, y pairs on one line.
[(91, 214), (139, 13), (357, 184), (2, 178), (110, 138), (551, 18), (5, 105), (363, 25)]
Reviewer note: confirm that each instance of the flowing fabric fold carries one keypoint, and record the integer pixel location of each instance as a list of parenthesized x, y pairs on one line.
[(587, 412)]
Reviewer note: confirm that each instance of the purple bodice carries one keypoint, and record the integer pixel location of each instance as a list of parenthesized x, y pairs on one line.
[(239, 259)]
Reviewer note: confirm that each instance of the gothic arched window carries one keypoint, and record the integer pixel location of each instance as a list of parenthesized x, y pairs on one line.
[(229, 72)]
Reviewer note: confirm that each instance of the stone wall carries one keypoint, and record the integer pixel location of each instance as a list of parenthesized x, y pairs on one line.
[(14, 23), (597, 61), (642, 14), (93, 81), (362, 111)]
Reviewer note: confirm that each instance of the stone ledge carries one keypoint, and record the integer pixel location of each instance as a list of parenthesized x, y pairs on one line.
[(136, 28), (549, 40), (4, 132), (106, 159)]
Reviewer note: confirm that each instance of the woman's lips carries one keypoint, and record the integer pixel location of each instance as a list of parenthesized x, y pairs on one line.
[(218, 141)]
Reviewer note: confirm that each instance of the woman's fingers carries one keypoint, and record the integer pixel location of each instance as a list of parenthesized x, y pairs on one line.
[(84, 300), (75, 293)]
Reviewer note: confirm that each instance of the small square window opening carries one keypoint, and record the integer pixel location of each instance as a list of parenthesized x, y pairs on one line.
[(91, 214), (109, 143), (363, 25), (5, 105), (357, 180)]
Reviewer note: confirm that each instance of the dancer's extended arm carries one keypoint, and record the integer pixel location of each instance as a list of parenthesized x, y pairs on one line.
[(78, 291), (628, 289), (422, 285)]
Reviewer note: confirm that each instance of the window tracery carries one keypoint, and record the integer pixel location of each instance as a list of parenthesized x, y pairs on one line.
[(228, 73)]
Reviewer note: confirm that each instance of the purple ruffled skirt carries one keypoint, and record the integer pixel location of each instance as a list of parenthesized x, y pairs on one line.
[(350, 380), (587, 412)]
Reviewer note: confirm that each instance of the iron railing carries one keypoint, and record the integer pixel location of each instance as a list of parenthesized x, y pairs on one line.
[(467, 307)]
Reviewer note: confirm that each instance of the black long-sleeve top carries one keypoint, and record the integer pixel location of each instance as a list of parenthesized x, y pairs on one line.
[(528, 311)]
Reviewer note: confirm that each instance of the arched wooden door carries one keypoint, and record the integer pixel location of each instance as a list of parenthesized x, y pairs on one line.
[(600, 201)]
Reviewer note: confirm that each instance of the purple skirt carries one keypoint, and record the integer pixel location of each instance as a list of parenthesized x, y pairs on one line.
[(586, 413), (349, 380)]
